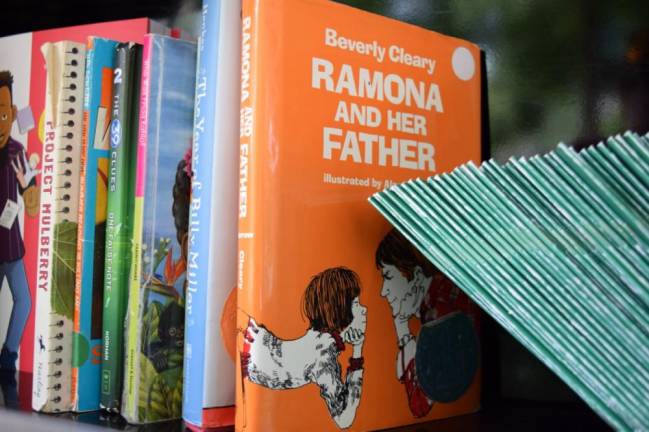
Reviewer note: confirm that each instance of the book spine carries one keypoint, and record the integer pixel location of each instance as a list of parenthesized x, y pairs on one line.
[(131, 379), (57, 238), (119, 224), (134, 122), (200, 231), (88, 338), (196, 296), (113, 314), (155, 317), (248, 235), (42, 353), (76, 348), (222, 216)]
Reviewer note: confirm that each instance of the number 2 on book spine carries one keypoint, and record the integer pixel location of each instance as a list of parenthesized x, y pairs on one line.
[(118, 76)]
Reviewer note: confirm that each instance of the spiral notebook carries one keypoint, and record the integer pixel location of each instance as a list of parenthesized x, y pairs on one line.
[(65, 64)]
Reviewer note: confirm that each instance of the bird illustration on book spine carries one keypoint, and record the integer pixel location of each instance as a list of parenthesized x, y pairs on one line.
[(336, 318)]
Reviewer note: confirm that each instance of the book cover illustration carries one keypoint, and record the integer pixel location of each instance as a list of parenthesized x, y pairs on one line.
[(155, 315), (119, 217), (89, 284), (338, 314), (210, 311), (65, 65), (19, 202), (22, 62)]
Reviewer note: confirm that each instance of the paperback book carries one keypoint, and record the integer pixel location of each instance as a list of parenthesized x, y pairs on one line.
[(86, 349), (119, 218), (156, 301), (210, 309)]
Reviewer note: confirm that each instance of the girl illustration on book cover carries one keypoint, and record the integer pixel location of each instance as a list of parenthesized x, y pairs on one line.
[(446, 342), (336, 317)]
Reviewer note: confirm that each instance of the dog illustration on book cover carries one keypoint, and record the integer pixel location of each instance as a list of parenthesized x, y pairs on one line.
[(336, 317), (440, 362), (17, 178)]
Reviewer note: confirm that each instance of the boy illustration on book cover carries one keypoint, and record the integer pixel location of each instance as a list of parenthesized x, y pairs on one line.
[(336, 317), (17, 177), (440, 362)]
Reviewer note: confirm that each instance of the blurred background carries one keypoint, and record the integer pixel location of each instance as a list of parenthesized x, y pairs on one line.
[(571, 71), (574, 71)]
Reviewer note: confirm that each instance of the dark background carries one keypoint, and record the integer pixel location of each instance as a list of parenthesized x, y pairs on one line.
[(574, 71), (558, 71)]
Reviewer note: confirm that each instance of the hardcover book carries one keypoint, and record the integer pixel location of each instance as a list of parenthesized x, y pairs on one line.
[(23, 78), (86, 347), (57, 242), (156, 302), (342, 323), (119, 220), (210, 309)]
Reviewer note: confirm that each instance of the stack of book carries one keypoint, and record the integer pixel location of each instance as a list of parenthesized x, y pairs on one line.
[(556, 249)]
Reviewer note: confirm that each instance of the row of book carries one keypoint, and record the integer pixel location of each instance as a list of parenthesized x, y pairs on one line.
[(187, 224), (112, 194), (555, 248)]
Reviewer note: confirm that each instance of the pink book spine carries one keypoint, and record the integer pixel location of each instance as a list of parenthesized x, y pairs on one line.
[(144, 118)]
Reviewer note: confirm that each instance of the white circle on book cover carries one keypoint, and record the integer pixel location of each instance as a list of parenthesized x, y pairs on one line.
[(463, 64)]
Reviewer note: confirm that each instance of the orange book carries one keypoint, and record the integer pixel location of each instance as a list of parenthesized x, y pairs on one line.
[(341, 323)]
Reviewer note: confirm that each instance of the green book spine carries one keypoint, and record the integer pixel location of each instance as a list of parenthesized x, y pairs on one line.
[(119, 220)]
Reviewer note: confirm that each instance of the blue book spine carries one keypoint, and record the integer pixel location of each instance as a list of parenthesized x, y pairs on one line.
[(198, 266), (89, 297)]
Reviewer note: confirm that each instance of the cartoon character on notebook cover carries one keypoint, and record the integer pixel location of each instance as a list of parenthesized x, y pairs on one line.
[(17, 177), (440, 362), (336, 318)]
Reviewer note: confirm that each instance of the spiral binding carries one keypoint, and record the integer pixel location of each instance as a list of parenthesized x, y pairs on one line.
[(66, 157), (56, 361), (68, 129)]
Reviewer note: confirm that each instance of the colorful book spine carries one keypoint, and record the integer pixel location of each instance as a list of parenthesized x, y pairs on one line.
[(23, 63), (155, 317), (89, 284), (119, 218), (65, 63), (210, 307)]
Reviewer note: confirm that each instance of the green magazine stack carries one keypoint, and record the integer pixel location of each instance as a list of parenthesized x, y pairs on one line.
[(556, 249)]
